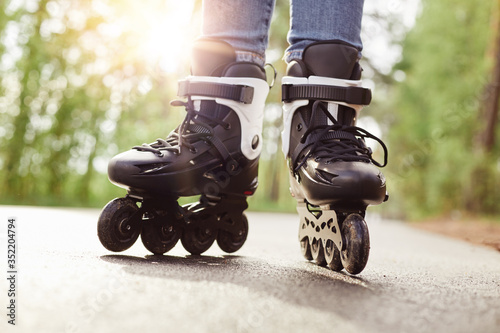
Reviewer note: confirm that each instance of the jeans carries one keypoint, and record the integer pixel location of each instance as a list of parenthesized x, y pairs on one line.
[(244, 24)]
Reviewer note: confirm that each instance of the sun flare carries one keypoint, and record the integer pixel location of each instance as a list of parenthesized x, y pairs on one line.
[(161, 32)]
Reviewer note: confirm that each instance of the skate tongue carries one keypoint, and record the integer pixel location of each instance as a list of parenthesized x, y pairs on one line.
[(344, 115), (210, 57), (331, 59)]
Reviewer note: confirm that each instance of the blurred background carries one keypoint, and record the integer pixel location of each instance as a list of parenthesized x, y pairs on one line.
[(81, 81)]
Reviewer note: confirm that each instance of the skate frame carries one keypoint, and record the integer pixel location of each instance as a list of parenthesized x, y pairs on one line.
[(320, 224)]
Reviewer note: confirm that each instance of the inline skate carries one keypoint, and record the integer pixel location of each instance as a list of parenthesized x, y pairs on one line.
[(213, 153), (333, 176)]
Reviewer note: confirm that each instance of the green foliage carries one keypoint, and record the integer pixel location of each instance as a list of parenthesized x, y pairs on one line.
[(78, 85), (76, 88), (72, 97), (436, 107)]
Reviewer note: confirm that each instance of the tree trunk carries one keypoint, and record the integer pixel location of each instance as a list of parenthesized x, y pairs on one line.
[(489, 116), (482, 186)]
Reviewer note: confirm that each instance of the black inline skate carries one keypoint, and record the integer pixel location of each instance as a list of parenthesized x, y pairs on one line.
[(213, 153), (332, 173)]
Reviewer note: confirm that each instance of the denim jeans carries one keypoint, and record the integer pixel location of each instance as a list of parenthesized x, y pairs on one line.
[(244, 24)]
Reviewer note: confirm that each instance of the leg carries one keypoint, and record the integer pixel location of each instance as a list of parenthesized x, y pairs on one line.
[(319, 20), (332, 173), (214, 152), (244, 24)]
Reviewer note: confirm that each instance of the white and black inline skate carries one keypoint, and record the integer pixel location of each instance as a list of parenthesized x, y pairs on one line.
[(213, 153), (333, 176)]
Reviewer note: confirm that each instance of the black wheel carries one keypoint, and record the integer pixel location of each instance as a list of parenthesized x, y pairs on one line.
[(305, 248), (354, 254), (199, 235), (116, 229), (317, 253), (159, 235), (228, 241), (332, 256)]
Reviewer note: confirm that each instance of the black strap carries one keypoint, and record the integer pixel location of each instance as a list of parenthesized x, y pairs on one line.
[(350, 95), (235, 92)]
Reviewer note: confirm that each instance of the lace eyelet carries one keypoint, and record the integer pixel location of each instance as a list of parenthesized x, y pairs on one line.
[(299, 127), (193, 150), (227, 126), (317, 159)]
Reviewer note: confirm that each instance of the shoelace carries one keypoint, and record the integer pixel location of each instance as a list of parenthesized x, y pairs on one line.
[(195, 126), (338, 142)]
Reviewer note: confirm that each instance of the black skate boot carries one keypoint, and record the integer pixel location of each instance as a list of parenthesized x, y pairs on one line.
[(214, 153), (332, 173)]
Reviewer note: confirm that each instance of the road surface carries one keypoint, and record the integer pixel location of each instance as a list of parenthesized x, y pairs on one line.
[(414, 282)]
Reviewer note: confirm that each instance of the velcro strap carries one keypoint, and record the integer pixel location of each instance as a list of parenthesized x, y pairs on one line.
[(235, 92), (330, 135), (350, 95), (339, 135)]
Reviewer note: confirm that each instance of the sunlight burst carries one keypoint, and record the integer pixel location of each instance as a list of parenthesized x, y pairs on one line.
[(161, 31)]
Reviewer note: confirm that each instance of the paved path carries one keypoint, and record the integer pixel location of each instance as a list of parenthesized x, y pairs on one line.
[(414, 282)]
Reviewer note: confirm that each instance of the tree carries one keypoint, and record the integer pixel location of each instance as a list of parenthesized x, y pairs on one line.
[(77, 87), (489, 114), (436, 108)]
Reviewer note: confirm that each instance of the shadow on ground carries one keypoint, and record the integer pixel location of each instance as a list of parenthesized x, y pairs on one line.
[(298, 283)]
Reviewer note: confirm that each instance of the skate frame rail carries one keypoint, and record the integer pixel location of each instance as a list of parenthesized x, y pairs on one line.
[(321, 224)]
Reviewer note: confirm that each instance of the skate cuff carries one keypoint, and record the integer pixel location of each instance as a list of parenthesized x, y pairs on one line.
[(235, 92), (350, 95)]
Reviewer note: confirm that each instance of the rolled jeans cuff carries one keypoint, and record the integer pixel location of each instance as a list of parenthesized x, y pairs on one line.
[(246, 56)]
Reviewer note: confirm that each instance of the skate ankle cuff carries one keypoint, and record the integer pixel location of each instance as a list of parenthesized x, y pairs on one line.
[(246, 96), (299, 91), (235, 92)]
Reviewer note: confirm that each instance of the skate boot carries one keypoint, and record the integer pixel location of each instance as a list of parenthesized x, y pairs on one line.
[(213, 153), (333, 176)]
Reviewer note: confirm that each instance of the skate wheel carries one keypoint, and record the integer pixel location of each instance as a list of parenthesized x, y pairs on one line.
[(317, 253), (354, 255), (114, 226), (198, 236), (332, 256), (305, 248), (230, 242), (159, 235)]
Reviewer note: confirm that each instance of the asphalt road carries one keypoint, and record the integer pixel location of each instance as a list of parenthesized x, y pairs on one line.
[(414, 282)]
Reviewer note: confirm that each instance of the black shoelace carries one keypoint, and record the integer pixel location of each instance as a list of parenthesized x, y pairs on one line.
[(195, 126), (337, 142)]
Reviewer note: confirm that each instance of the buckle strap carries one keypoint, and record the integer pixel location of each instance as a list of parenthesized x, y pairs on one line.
[(235, 92), (350, 95)]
